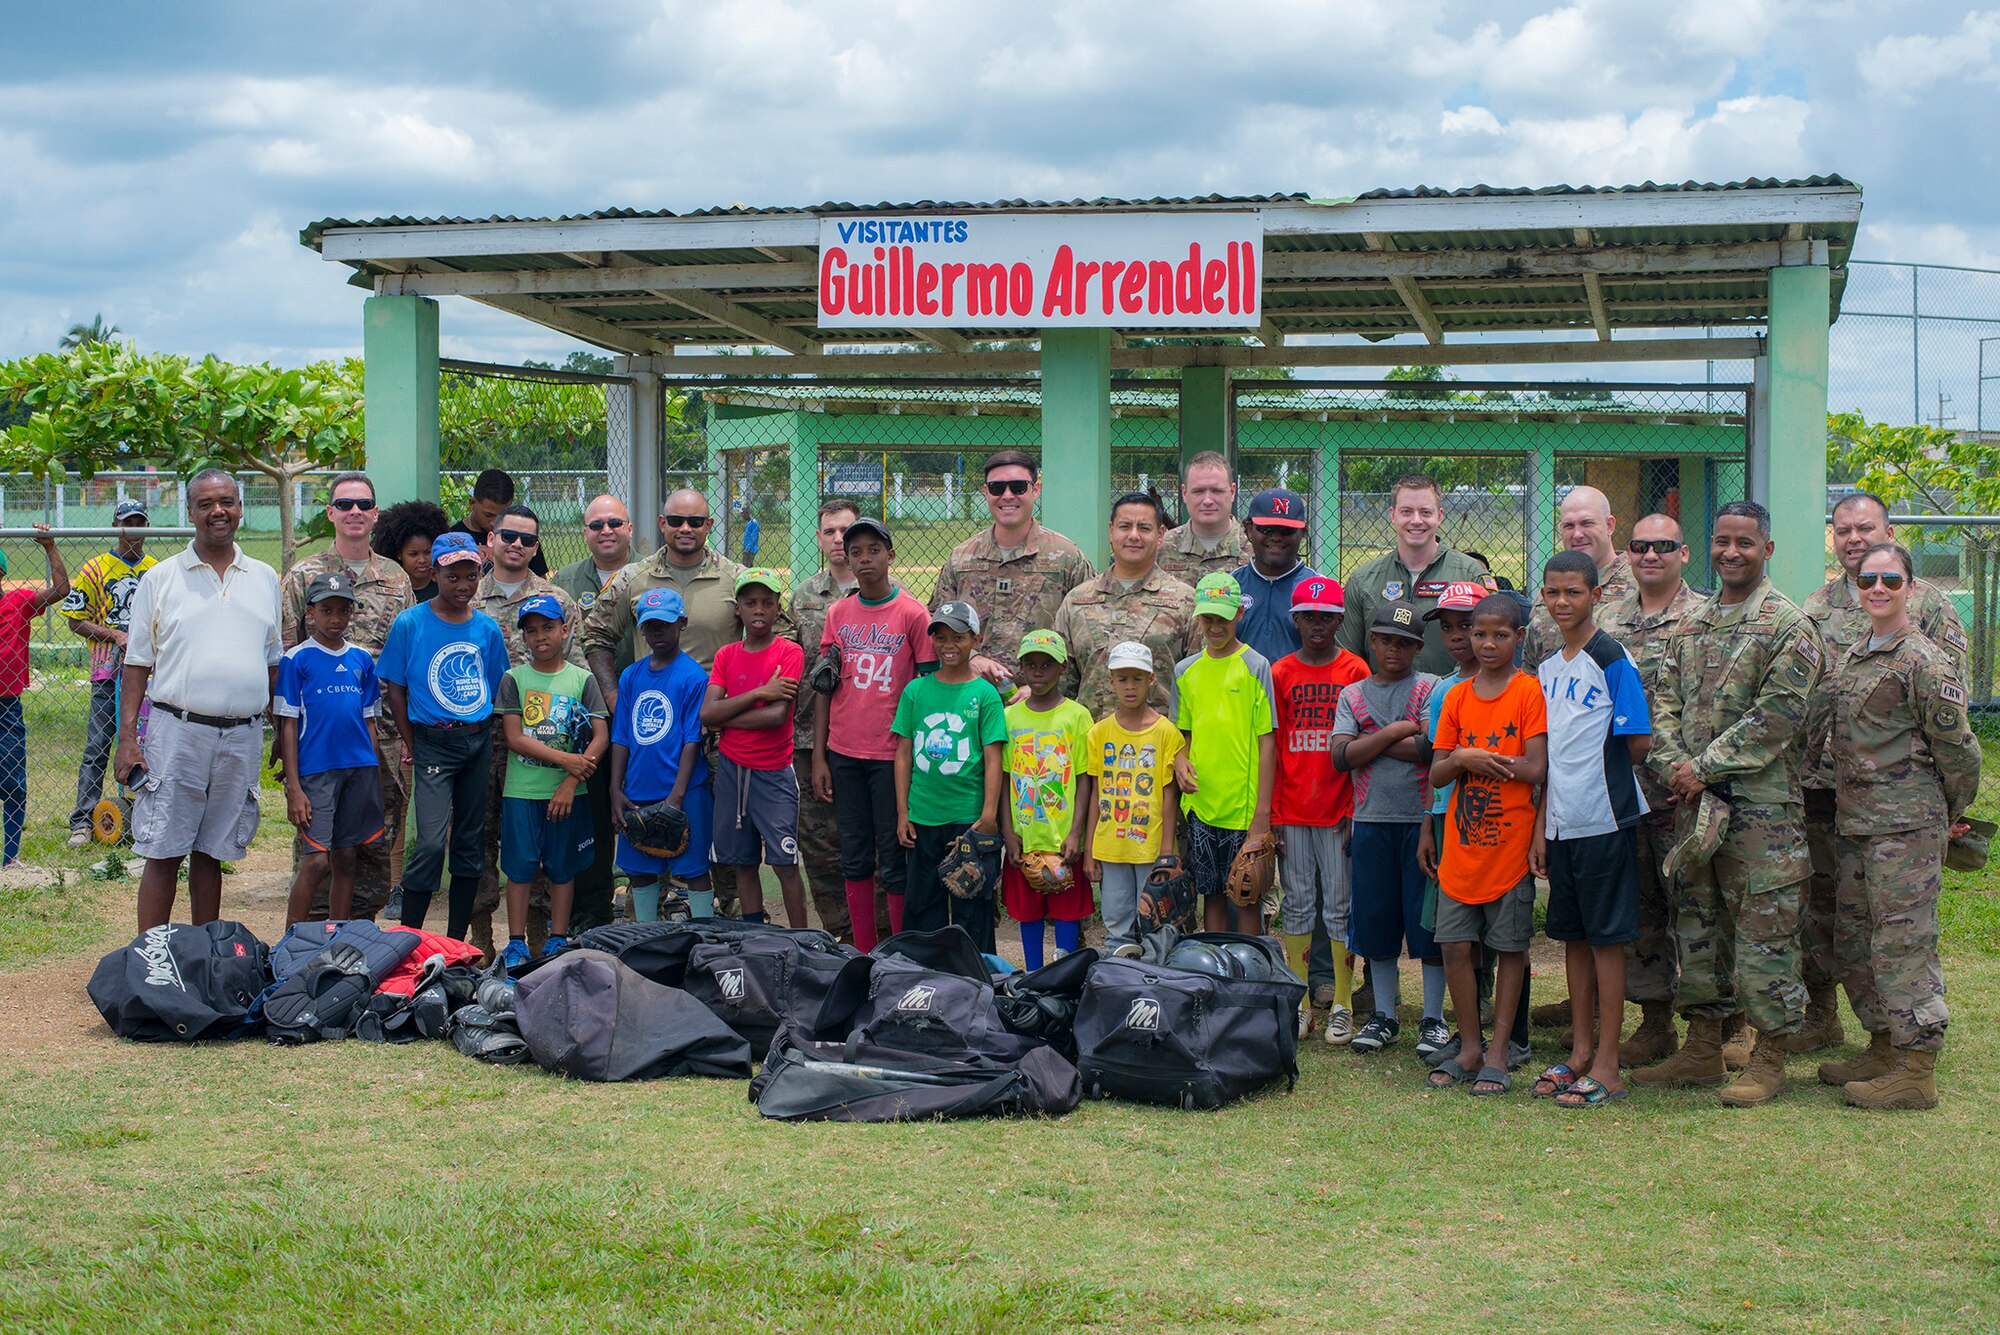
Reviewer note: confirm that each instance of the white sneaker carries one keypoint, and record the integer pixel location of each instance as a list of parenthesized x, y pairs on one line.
[(1339, 1026), (80, 839), (1129, 951), (1308, 1020)]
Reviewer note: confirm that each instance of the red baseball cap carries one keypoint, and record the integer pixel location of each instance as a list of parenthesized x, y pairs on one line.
[(1459, 596), (1319, 594)]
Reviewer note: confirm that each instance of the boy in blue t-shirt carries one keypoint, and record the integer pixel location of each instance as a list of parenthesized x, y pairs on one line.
[(441, 668), (656, 754), (326, 694)]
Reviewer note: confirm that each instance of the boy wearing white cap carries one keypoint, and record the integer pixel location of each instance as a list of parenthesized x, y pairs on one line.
[(1130, 802)]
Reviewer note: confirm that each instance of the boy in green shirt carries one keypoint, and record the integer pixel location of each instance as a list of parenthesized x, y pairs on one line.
[(949, 728), (1222, 702), (556, 728), (1048, 756)]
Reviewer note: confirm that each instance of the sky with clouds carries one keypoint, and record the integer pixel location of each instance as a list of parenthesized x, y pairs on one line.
[(159, 160)]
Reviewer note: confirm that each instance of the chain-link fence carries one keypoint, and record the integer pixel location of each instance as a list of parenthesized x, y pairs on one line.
[(1960, 554)]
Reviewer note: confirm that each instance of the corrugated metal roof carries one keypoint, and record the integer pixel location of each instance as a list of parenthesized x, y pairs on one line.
[(1643, 188)]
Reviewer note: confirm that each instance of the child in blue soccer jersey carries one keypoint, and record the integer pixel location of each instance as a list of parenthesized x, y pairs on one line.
[(656, 754)]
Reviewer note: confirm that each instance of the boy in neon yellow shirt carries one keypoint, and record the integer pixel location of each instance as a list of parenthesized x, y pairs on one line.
[(1222, 703), (1047, 761)]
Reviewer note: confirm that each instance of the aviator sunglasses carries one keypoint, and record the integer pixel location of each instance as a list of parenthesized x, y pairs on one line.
[(599, 525), (1890, 579)]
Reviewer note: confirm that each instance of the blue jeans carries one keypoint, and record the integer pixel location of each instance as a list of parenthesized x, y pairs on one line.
[(13, 772)]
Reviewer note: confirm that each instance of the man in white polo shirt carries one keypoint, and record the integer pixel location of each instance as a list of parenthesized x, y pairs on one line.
[(204, 643)]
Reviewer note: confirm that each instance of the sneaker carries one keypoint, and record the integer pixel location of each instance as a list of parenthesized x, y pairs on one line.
[(1377, 1033), (1518, 1054), (1128, 951), (516, 953), (393, 910), (555, 945), (81, 838), (1431, 1036), (1340, 1026)]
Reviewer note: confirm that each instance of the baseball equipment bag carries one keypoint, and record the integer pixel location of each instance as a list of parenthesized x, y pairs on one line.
[(970, 867), (1194, 1037), (1045, 873), (588, 1017), (325, 996), (892, 1002), (394, 1017), (479, 1033), (756, 981), (660, 950), (825, 674), (1167, 898), (950, 949), (658, 828), (1250, 873), (1042, 1004), (808, 1081), (178, 983)]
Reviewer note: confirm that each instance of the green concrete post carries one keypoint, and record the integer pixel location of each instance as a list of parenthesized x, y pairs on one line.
[(1796, 436), (1325, 540), (1076, 438), (399, 349), (1541, 534), (1698, 502), (805, 496), (1206, 420)]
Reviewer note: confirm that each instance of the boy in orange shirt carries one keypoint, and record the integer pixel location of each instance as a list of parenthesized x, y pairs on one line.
[(1492, 739)]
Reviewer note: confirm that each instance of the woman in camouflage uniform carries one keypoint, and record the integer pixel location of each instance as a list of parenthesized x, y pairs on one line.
[(1906, 767)]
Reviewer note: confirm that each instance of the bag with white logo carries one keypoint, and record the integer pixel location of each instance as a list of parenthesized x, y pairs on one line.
[(660, 950), (757, 981), (808, 1081), (178, 983), (1195, 1037), (895, 1003)]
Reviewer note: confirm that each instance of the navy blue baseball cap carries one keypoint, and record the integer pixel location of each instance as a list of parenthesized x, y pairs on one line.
[(449, 547), (1279, 507)]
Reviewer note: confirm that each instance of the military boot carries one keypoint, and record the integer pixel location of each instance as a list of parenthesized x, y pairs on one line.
[(1822, 1027), (1763, 1079), (1736, 1042), (1698, 1062), (1655, 1037), (1912, 1083), (1879, 1059), (1550, 1015)]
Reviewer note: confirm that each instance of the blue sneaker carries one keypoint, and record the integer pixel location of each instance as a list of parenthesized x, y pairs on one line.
[(516, 953), (555, 945)]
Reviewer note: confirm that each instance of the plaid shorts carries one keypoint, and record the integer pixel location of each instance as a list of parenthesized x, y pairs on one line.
[(1211, 849)]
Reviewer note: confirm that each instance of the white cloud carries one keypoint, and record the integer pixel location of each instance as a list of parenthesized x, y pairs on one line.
[(1907, 66)]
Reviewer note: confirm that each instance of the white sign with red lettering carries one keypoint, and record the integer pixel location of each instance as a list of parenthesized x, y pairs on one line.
[(1041, 271)]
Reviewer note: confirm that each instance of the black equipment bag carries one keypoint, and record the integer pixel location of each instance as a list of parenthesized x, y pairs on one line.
[(659, 950), (948, 949), (326, 996), (589, 1017), (808, 1081), (178, 983), (1042, 1004), (756, 981), (890, 1002), (1156, 1033)]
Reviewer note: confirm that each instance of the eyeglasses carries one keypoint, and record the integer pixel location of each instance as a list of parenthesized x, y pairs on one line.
[(362, 503), (1017, 486), (599, 525), (1657, 546), (1889, 579), (685, 521), (521, 536)]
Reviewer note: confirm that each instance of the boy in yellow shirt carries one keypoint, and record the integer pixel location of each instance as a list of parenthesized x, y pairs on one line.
[(1129, 801)]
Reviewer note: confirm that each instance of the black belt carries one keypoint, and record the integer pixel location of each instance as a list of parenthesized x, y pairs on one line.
[(447, 727), (206, 720)]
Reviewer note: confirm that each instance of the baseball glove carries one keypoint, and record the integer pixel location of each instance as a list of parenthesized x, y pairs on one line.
[(970, 867), (1167, 897), (1250, 874), (1045, 872), (825, 674), (658, 828)]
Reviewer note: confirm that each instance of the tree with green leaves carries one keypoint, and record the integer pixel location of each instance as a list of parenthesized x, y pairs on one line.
[(89, 335), (105, 405)]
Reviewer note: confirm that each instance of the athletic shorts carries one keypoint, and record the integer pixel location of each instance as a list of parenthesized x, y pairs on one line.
[(346, 807), (1317, 880), (1594, 888), (1211, 849), (698, 805), (1024, 903), (756, 815), (1386, 908), (1506, 924), (531, 843)]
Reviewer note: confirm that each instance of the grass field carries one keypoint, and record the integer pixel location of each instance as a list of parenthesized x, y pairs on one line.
[(243, 1187)]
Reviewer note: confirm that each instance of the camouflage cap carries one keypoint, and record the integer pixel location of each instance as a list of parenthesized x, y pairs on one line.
[(1703, 837), (1968, 851)]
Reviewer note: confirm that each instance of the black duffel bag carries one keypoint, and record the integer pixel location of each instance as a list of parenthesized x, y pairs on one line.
[(804, 1080), (1042, 1004), (1193, 1037), (891, 1002), (660, 950), (178, 983), (589, 1017), (757, 981)]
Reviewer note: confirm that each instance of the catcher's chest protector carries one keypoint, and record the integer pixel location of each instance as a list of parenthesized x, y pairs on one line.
[(326, 994)]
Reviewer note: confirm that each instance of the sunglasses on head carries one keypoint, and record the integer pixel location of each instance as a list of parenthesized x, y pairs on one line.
[(684, 521), (1657, 546), (1017, 486), (522, 536), (353, 503), (1889, 579), (599, 525)]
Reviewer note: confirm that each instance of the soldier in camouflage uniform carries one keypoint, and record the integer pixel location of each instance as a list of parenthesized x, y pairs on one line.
[(1419, 570), (1587, 526), (1906, 768), (510, 559), (1134, 600), (1729, 718), (1016, 573), (1211, 541), (1860, 521), (1643, 620), (819, 837), (381, 592)]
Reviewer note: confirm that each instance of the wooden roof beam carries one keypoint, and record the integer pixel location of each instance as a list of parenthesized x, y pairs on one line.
[(1406, 288), (758, 327)]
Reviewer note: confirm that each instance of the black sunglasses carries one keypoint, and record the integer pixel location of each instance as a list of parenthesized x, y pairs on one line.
[(1890, 579), (1017, 485), (599, 525), (1657, 546), (353, 503), (526, 539), (685, 521)]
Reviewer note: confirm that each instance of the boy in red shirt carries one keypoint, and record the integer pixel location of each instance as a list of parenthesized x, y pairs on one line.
[(1313, 802), (1492, 740), (19, 607)]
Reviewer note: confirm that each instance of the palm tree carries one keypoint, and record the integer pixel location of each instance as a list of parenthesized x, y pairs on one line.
[(85, 335)]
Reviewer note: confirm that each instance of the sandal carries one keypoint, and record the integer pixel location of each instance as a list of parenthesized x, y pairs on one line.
[(1588, 1092), (1556, 1078), (1451, 1072), (1492, 1075)]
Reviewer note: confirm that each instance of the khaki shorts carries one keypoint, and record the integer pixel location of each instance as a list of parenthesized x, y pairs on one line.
[(200, 790)]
